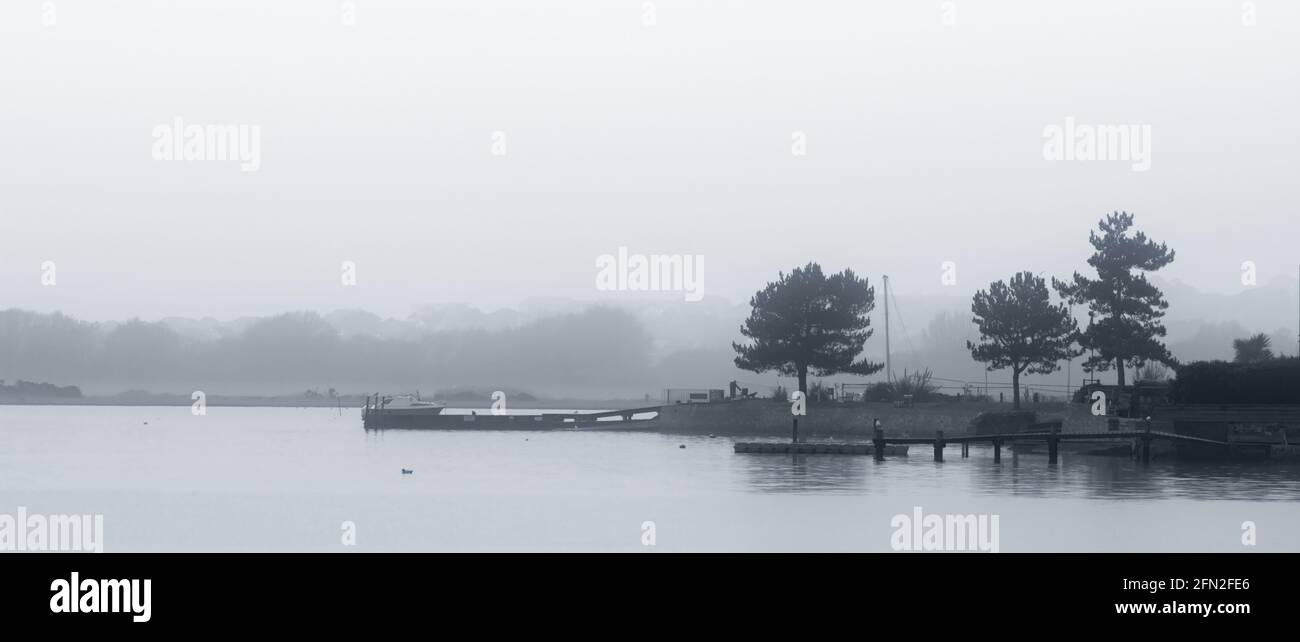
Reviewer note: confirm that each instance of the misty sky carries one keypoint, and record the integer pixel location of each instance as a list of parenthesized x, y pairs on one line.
[(924, 145)]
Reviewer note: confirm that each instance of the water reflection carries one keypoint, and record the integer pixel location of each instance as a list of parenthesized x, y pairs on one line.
[(1028, 475), (804, 473)]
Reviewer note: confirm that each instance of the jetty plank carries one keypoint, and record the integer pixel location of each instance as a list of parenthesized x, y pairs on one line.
[(819, 448)]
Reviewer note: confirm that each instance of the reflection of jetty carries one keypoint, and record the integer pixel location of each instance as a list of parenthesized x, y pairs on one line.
[(1048, 432), (382, 412)]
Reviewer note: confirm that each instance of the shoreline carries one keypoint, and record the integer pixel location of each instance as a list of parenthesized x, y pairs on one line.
[(346, 402)]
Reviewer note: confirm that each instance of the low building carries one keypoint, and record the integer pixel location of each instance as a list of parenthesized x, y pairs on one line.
[(692, 395)]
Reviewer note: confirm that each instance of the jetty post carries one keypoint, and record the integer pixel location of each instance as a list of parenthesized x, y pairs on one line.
[(794, 437), (878, 440), (1053, 444), (1146, 443), (965, 449), (997, 450), (938, 445)]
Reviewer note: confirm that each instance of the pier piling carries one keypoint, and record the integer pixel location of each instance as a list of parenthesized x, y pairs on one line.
[(1146, 443), (938, 445), (997, 451)]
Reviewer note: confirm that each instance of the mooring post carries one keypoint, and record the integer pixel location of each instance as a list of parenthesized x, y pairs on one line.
[(997, 450), (938, 445), (794, 438), (878, 440), (1146, 443), (1053, 444)]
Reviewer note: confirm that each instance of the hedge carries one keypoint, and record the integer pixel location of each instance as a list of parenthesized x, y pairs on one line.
[(1275, 381)]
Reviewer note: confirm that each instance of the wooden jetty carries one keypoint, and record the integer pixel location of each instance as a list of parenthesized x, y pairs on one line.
[(820, 448), (1050, 433)]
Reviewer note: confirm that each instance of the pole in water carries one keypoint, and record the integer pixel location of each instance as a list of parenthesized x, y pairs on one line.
[(794, 438), (1146, 443), (878, 440)]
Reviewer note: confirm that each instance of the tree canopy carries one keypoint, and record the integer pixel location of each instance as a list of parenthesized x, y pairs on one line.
[(806, 321), (1127, 308), (1253, 349), (1020, 329)]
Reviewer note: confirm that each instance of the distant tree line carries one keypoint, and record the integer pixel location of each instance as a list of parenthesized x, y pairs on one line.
[(593, 346), (33, 390)]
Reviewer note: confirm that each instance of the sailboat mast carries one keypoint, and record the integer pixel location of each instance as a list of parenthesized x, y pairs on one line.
[(889, 371)]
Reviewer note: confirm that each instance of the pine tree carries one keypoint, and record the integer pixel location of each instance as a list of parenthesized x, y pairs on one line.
[(807, 321), (1020, 329), (1128, 307)]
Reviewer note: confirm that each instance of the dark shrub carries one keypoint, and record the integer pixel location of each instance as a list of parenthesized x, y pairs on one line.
[(1275, 381)]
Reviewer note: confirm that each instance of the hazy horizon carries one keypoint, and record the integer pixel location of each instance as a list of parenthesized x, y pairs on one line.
[(550, 346)]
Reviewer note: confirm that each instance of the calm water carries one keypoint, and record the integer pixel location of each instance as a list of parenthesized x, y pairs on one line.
[(275, 479)]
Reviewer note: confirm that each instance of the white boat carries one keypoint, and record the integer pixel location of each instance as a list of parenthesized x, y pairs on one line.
[(409, 406)]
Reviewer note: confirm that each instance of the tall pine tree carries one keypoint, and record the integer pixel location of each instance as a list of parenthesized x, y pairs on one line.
[(1127, 306)]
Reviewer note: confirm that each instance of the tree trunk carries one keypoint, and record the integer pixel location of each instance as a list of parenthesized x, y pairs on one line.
[(803, 380), (1015, 388), (1119, 368)]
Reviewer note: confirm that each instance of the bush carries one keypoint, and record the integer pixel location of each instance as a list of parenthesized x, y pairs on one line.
[(916, 384), (1275, 381)]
